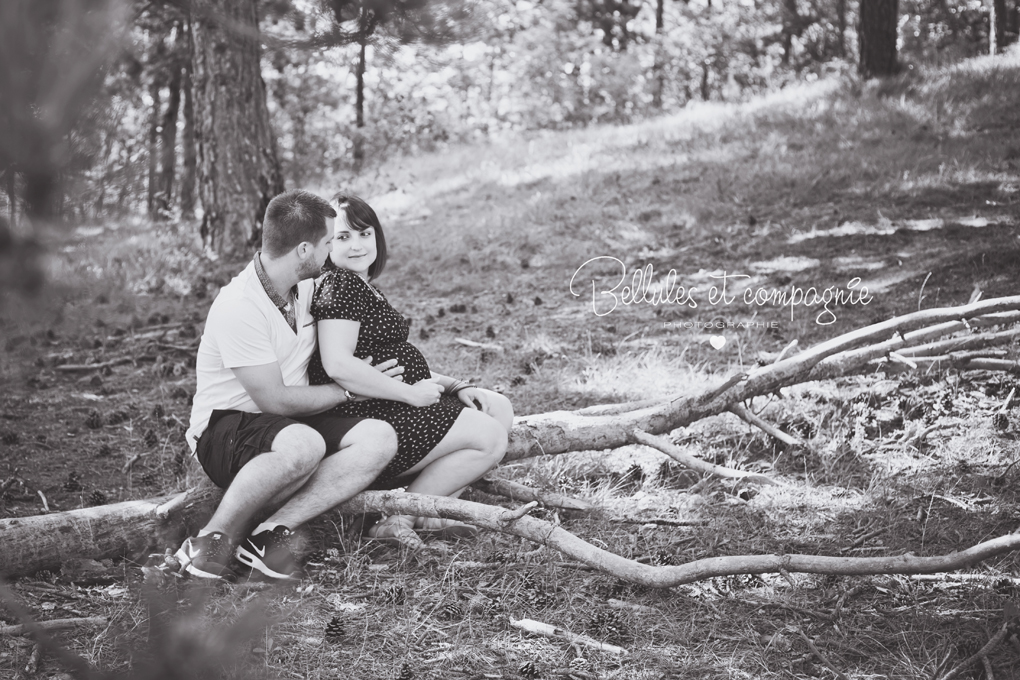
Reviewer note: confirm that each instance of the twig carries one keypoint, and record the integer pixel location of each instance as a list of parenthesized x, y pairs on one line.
[(510, 516), (981, 653), (175, 503), (766, 427), (134, 459), (639, 608), (989, 675), (866, 537), (1009, 400), (793, 343), (661, 521), (72, 368), (545, 630), (32, 667), (45, 505), (553, 536), (821, 657), (53, 624), (520, 492), (479, 345), (695, 463)]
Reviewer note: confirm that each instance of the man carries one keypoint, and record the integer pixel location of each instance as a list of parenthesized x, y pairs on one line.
[(254, 426)]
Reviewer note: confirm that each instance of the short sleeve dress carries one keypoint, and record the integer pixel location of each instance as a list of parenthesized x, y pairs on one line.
[(342, 294)]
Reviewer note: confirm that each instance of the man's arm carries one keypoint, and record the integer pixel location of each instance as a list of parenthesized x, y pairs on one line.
[(264, 384)]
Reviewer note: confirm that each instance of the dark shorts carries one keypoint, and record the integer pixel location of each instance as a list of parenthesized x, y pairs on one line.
[(233, 438)]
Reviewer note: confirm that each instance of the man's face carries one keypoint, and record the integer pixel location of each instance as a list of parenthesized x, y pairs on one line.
[(313, 264)]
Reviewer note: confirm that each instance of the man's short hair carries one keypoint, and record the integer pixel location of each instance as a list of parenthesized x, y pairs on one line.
[(292, 218)]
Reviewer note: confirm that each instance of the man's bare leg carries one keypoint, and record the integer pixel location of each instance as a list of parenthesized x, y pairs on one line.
[(364, 451)]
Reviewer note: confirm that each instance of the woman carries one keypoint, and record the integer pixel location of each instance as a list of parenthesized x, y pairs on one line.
[(449, 433)]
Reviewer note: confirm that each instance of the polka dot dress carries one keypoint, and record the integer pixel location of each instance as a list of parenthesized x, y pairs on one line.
[(342, 294)]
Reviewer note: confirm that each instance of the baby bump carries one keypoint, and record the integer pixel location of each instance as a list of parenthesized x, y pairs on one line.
[(406, 354)]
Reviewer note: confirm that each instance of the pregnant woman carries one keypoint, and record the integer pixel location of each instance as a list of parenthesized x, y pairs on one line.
[(449, 433)]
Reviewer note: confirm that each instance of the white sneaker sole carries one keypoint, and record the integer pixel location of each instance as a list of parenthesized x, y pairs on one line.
[(255, 562)]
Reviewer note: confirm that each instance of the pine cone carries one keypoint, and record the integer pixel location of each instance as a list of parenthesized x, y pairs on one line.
[(579, 663), (150, 439), (97, 498), (394, 594), (406, 673), (94, 421), (148, 479), (104, 451), (158, 411), (528, 670), (1000, 421), (10, 438), (118, 417), (451, 610), (335, 630), (73, 484), (316, 558), (606, 625)]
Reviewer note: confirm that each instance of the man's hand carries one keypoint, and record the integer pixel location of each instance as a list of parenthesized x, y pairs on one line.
[(388, 368)]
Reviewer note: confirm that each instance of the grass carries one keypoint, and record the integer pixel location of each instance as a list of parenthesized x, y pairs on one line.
[(810, 186)]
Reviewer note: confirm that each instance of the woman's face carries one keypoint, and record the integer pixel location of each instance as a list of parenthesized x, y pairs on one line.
[(353, 250)]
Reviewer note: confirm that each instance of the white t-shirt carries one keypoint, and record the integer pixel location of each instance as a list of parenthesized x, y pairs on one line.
[(245, 328)]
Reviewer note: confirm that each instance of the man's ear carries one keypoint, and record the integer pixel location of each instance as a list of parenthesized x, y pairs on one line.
[(303, 249)]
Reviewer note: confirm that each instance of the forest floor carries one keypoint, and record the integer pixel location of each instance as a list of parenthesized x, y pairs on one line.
[(911, 186)]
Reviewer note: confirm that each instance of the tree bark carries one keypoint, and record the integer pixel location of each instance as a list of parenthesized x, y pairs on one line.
[(997, 21), (658, 78), (188, 142), (359, 107), (841, 27), (155, 88), (877, 37), (238, 167), (168, 131)]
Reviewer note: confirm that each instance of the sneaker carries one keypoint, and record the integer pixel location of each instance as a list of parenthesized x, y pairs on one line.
[(206, 556), (269, 552)]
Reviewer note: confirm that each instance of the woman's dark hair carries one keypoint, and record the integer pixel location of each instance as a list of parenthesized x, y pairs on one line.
[(360, 217)]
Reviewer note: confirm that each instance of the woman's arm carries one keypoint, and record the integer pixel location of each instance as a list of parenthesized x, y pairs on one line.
[(337, 340)]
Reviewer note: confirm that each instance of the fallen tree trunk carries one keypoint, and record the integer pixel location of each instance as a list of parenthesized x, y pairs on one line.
[(564, 431), (128, 529)]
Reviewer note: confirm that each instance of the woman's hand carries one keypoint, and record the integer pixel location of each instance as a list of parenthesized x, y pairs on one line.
[(476, 398), (424, 393), (389, 368)]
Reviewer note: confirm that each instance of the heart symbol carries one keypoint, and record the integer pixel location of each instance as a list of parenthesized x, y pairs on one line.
[(717, 341)]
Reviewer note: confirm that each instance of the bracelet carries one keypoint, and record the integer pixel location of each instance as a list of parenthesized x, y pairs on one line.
[(457, 386), (350, 395)]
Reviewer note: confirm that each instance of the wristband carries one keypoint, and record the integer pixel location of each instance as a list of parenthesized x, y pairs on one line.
[(459, 386)]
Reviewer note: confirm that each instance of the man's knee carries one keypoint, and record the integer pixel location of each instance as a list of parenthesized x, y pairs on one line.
[(375, 438), (301, 449)]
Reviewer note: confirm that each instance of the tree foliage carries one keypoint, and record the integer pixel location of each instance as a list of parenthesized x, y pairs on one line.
[(431, 71)]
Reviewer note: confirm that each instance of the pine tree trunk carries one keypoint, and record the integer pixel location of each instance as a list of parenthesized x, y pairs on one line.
[(154, 92), (188, 142), (997, 20), (168, 135), (841, 27), (658, 78), (238, 168), (359, 107), (877, 33)]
